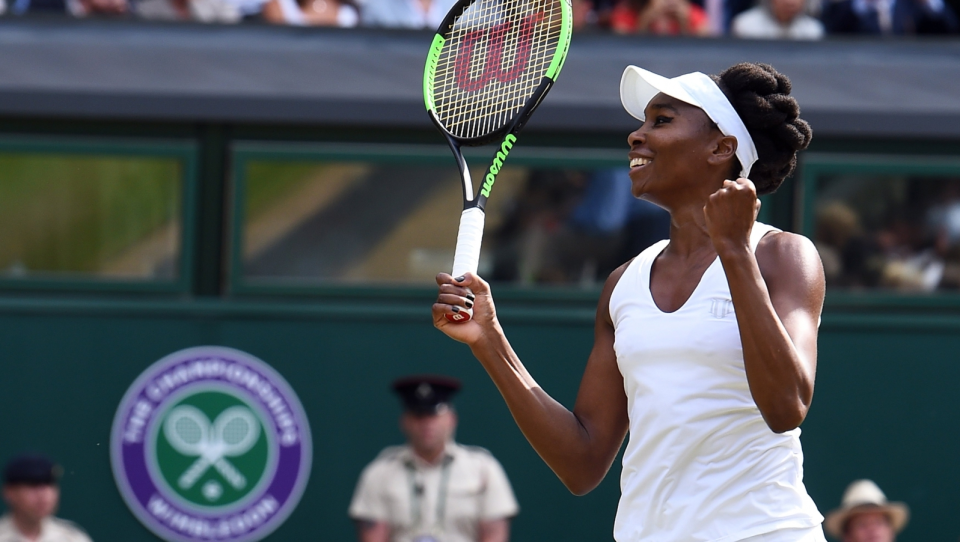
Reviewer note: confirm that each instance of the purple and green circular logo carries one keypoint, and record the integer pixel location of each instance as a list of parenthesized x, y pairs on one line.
[(211, 444)]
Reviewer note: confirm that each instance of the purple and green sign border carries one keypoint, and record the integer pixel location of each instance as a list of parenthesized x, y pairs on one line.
[(245, 379)]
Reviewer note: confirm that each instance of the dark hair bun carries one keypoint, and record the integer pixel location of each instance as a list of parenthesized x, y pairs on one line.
[(761, 96)]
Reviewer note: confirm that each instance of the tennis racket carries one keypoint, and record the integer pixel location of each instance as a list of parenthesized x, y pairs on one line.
[(490, 65)]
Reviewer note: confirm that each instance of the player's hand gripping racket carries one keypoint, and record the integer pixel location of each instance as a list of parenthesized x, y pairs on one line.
[(490, 65)]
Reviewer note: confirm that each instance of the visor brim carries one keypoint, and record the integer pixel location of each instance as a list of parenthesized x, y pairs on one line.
[(638, 86)]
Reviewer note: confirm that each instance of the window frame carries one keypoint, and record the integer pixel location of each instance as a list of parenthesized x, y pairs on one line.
[(243, 152), (185, 151), (819, 163)]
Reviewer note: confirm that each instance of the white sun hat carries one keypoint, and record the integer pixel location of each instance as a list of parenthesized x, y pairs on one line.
[(638, 86), (864, 496)]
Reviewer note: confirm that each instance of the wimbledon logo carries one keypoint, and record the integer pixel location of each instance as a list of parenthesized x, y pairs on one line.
[(211, 444)]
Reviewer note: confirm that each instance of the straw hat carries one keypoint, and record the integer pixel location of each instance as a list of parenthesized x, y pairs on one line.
[(864, 496)]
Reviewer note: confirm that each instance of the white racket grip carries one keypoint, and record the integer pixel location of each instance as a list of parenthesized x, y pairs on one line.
[(467, 257)]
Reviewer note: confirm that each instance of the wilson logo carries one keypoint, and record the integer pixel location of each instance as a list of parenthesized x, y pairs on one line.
[(492, 50), (497, 164)]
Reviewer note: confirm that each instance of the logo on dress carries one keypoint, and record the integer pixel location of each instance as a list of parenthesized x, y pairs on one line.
[(721, 307), (211, 444)]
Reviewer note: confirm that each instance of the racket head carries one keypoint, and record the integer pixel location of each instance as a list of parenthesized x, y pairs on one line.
[(490, 64)]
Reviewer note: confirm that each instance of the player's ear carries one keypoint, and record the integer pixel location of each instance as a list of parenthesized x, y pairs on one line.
[(723, 150)]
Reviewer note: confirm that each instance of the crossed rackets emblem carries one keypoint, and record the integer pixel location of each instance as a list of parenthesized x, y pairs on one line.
[(190, 432)]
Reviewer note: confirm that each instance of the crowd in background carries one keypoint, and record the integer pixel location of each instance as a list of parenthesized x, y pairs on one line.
[(773, 19), (902, 236)]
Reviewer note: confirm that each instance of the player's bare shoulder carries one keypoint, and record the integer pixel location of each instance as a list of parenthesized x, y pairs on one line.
[(787, 259), (603, 307)]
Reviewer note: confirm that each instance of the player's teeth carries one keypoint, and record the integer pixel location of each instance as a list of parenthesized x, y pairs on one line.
[(634, 162)]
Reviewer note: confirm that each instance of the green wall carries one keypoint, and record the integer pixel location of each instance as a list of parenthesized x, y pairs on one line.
[(885, 402)]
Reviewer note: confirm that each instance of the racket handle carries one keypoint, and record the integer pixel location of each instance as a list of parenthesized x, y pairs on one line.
[(467, 256)]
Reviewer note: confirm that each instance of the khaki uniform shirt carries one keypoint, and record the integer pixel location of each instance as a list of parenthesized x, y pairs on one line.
[(443, 502), (51, 530)]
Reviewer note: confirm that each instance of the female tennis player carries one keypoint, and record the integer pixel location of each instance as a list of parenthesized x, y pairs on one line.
[(705, 344)]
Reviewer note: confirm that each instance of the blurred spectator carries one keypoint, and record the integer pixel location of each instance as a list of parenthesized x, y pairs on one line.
[(89, 8), (897, 233), (24, 7), (866, 516), (76, 8), (844, 248), (777, 19), (585, 16), (204, 11), (3, 7), (414, 14), (721, 13), (943, 221), (607, 227), (538, 211), (311, 13), (31, 492), (660, 17), (886, 17), (574, 227)]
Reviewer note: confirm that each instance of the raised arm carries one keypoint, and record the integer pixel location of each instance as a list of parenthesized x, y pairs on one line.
[(580, 445), (778, 295)]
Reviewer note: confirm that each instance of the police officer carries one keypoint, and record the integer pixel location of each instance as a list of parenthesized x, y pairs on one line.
[(432, 489), (31, 492)]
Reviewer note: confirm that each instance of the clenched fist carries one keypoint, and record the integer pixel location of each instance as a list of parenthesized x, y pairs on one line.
[(730, 213)]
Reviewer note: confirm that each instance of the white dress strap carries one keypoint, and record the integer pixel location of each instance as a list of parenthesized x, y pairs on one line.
[(759, 231)]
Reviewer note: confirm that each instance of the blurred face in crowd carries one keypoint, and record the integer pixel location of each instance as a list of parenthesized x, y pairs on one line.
[(428, 434), (869, 527), (785, 11), (30, 502)]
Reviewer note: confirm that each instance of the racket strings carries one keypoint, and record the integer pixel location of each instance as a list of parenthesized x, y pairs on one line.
[(494, 58)]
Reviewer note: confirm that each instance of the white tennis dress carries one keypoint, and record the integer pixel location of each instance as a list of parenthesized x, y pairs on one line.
[(700, 464)]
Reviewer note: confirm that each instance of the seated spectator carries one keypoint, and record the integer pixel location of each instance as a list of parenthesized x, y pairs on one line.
[(76, 8), (898, 17), (720, 13), (412, 14), (777, 19), (660, 17), (866, 516), (24, 7), (91, 8), (204, 11), (311, 13), (586, 17), (31, 493)]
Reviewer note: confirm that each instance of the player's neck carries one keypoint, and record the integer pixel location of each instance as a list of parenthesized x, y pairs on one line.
[(27, 527), (688, 232)]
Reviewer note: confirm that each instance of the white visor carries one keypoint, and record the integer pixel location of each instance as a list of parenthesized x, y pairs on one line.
[(638, 86)]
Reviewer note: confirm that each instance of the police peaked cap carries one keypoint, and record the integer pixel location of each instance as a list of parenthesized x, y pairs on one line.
[(31, 469), (425, 394)]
